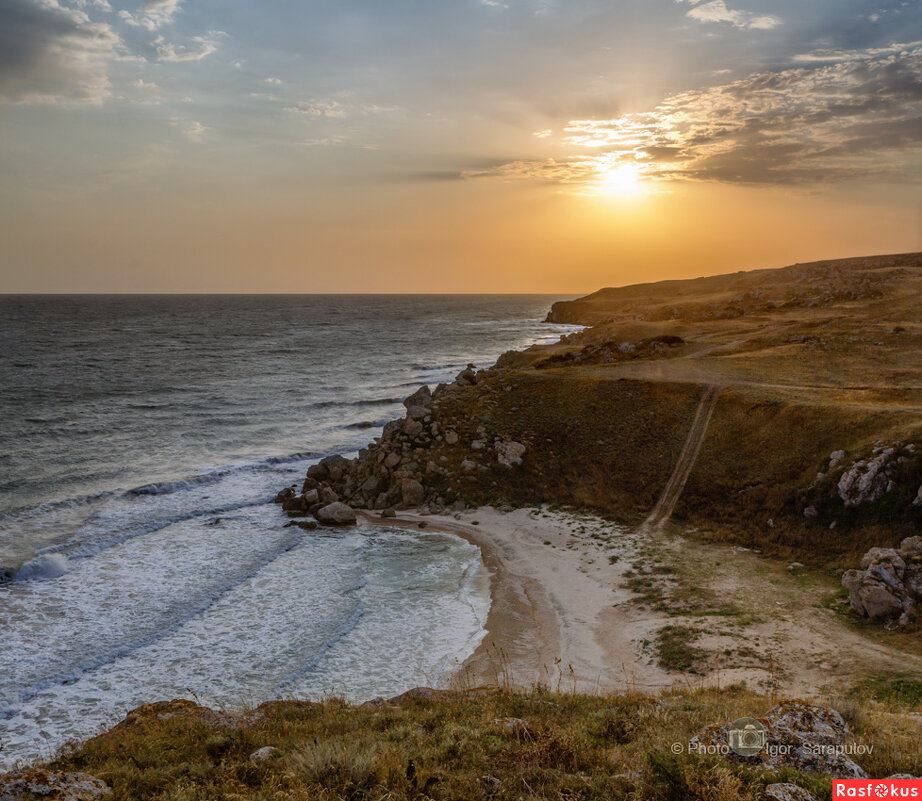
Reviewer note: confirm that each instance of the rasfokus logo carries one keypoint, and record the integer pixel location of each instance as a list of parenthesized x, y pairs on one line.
[(877, 788)]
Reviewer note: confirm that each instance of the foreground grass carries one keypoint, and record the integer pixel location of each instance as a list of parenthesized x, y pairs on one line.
[(494, 746)]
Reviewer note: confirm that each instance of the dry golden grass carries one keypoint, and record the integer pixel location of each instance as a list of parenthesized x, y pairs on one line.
[(570, 746)]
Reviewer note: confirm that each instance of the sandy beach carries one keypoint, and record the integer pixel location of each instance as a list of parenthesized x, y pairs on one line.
[(559, 616), (568, 614)]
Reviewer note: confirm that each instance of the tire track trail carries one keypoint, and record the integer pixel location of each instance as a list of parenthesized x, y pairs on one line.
[(687, 458)]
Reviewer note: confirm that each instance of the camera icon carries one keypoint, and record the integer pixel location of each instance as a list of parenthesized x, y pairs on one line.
[(746, 736)]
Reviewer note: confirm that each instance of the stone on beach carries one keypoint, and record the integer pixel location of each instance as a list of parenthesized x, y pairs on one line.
[(336, 513)]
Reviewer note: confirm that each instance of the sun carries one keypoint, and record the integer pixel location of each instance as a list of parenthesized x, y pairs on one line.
[(621, 181)]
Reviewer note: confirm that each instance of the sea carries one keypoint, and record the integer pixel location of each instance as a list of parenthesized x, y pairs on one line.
[(142, 440)]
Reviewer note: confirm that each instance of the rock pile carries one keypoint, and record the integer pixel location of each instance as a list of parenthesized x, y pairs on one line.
[(411, 465), (797, 735), (889, 583)]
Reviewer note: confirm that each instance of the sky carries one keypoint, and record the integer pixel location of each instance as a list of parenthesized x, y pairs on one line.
[(450, 145)]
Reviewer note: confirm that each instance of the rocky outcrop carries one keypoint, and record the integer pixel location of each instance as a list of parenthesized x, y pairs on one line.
[(52, 785), (867, 481), (888, 584), (797, 735), (419, 461)]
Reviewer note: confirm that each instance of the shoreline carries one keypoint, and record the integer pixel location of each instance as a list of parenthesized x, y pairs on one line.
[(572, 609), (563, 623)]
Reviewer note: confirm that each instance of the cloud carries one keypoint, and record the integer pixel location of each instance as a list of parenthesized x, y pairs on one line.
[(717, 11), (202, 46), (857, 117), (319, 108), (274, 81), (153, 15), (191, 128), (50, 52)]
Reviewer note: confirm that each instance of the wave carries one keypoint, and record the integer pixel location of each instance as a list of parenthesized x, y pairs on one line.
[(190, 611), (47, 507), (116, 517), (48, 566), (369, 402), (347, 628)]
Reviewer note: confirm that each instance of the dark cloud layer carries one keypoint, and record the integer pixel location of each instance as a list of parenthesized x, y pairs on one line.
[(48, 52), (852, 115)]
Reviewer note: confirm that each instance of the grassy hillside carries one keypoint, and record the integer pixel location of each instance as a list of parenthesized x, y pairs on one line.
[(476, 745)]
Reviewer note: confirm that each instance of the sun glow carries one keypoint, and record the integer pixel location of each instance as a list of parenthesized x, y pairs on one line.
[(621, 181)]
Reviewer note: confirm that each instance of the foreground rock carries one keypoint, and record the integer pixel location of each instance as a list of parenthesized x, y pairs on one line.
[(889, 583), (798, 736), (52, 785), (337, 514)]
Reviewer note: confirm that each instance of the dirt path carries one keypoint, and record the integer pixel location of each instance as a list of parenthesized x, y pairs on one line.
[(682, 470)]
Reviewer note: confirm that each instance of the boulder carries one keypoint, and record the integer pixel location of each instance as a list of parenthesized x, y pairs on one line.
[(888, 583), (392, 429), (311, 496), (318, 472), (337, 513), (865, 482), (416, 412), (918, 499), (477, 444), (265, 753), (296, 503), (337, 466), (392, 460), (422, 397), (467, 376), (327, 495), (509, 453), (413, 428), (793, 729), (467, 465), (285, 495), (373, 486), (412, 493), (451, 438), (884, 556)]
